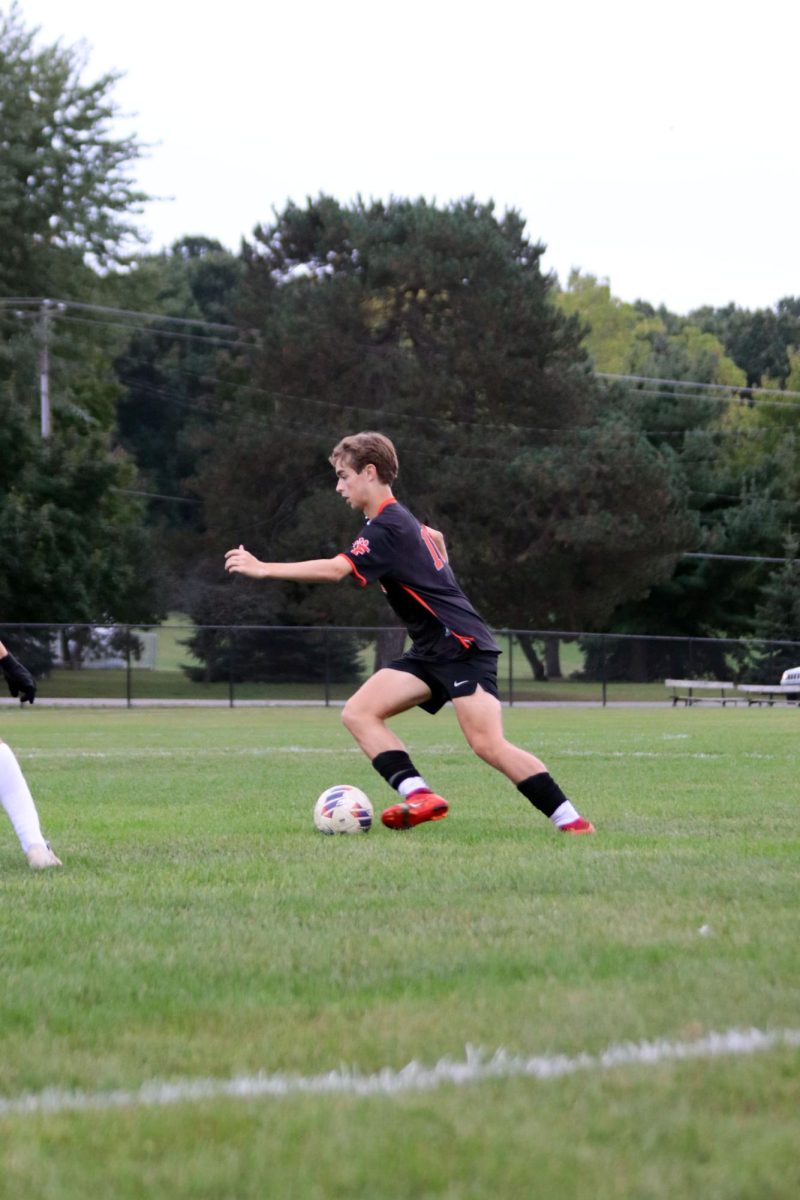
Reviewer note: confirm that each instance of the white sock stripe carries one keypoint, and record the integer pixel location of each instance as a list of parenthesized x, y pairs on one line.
[(565, 814), (414, 783), (476, 1066)]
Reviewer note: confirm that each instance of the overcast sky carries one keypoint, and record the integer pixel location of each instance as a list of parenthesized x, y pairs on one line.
[(652, 144)]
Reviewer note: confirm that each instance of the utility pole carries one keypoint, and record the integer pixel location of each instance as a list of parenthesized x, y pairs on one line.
[(46, 309)]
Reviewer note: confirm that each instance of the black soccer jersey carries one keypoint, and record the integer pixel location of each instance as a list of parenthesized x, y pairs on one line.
[(399, 552)]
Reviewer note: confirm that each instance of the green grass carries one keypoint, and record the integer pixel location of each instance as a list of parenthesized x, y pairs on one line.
[(200, 928)]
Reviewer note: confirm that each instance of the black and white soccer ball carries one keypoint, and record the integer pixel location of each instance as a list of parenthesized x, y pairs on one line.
[(343, 809)]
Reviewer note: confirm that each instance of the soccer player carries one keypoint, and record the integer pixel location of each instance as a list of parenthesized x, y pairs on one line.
[(14, 791), (453, 655)]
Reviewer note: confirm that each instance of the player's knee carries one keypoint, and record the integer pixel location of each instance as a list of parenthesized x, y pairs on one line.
[(486, 747), (352, 716), (347, 716)]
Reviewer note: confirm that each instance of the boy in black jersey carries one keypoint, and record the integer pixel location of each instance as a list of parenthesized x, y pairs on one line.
[(453, 655)]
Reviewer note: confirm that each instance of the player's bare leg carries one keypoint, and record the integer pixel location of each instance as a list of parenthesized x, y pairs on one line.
[(481, 719), (385, 695)]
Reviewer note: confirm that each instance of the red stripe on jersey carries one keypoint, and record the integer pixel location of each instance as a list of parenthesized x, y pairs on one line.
[(385, 504), (465, 641), (361, 580)]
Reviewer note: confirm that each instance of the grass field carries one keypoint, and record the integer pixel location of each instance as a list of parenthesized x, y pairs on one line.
[(201, 930)]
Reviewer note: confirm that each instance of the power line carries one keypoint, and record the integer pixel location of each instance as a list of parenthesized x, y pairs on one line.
[(730, 388), (742, 558), (37, 301), (167, 333), (154, 495), (728, 391), (739, 499), (642, 393), (170, 396)]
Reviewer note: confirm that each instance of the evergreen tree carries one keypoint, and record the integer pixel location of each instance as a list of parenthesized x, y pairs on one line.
[(436, 326)]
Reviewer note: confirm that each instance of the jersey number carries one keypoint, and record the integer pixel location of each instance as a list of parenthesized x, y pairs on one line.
[(433, 549)]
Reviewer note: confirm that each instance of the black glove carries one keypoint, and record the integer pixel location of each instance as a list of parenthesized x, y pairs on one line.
[(20, 681)]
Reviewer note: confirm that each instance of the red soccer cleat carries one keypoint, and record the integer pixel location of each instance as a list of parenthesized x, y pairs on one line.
[(416, 808), (579, 826)]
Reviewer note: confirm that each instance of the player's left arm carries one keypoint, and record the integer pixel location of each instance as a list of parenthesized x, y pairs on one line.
[(313, 570), (19, 679)]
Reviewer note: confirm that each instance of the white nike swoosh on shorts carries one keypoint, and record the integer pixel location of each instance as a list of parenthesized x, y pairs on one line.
[(459, 682)]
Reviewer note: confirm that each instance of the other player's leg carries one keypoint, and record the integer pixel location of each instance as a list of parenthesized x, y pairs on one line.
[(16, 799), (481, 719), (387, 693)]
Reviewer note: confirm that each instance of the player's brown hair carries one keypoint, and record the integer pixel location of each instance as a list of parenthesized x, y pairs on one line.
[(359, 449)]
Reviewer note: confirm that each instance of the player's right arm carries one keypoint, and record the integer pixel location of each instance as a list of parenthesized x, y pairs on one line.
[(314, 570)]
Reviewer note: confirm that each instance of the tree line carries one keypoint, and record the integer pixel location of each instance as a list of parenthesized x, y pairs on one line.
[(573, 448)]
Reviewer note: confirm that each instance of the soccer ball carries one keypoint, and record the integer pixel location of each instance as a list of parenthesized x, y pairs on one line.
[(343, 809)]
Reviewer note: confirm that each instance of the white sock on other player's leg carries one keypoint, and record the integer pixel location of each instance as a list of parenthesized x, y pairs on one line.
[(17, 800)]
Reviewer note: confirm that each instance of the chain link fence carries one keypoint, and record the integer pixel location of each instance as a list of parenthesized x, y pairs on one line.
[(256, 664)]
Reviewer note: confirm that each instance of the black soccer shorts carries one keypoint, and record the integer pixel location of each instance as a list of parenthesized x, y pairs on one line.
[(450, 678)]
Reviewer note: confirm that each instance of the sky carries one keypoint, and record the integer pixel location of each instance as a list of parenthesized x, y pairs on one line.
[(653, 145)]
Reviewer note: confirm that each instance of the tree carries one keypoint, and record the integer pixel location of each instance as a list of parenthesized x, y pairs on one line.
[(66, 196), (758, 341), (164, 410), (71, 540), (71, 534), (778, 617), (436, 326), (736, 455), (610, 324)]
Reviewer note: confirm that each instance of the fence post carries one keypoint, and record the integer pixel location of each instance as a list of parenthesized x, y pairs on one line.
[(128, 672), (231, 646), (603, 679), (326, 652)]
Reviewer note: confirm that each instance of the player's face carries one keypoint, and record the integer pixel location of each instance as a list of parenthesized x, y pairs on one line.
[(352, 485)]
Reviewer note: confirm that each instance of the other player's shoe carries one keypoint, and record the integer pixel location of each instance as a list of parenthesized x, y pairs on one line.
[(579, 826), (40, 857), (414, 810)]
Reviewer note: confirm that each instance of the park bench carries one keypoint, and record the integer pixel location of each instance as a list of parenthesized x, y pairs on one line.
[(697, 691), (768, 693)]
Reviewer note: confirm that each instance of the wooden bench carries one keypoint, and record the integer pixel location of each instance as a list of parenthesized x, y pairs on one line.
[(768, 693), (684, 691)]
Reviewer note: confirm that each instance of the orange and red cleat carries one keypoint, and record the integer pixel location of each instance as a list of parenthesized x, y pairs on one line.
[(416, 808), (579, 826)]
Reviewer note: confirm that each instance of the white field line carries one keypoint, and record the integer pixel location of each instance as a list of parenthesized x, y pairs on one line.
[(191, 752), (177, 752), (476, 1066)]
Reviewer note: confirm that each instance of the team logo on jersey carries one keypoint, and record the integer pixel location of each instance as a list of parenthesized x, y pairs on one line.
[(360, 546)]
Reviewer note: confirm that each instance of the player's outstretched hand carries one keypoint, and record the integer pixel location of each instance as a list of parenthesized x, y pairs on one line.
[(20, 681), (242, 562)]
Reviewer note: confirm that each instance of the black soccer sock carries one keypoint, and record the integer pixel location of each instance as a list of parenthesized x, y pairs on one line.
[(394, 766), (543, 792)]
